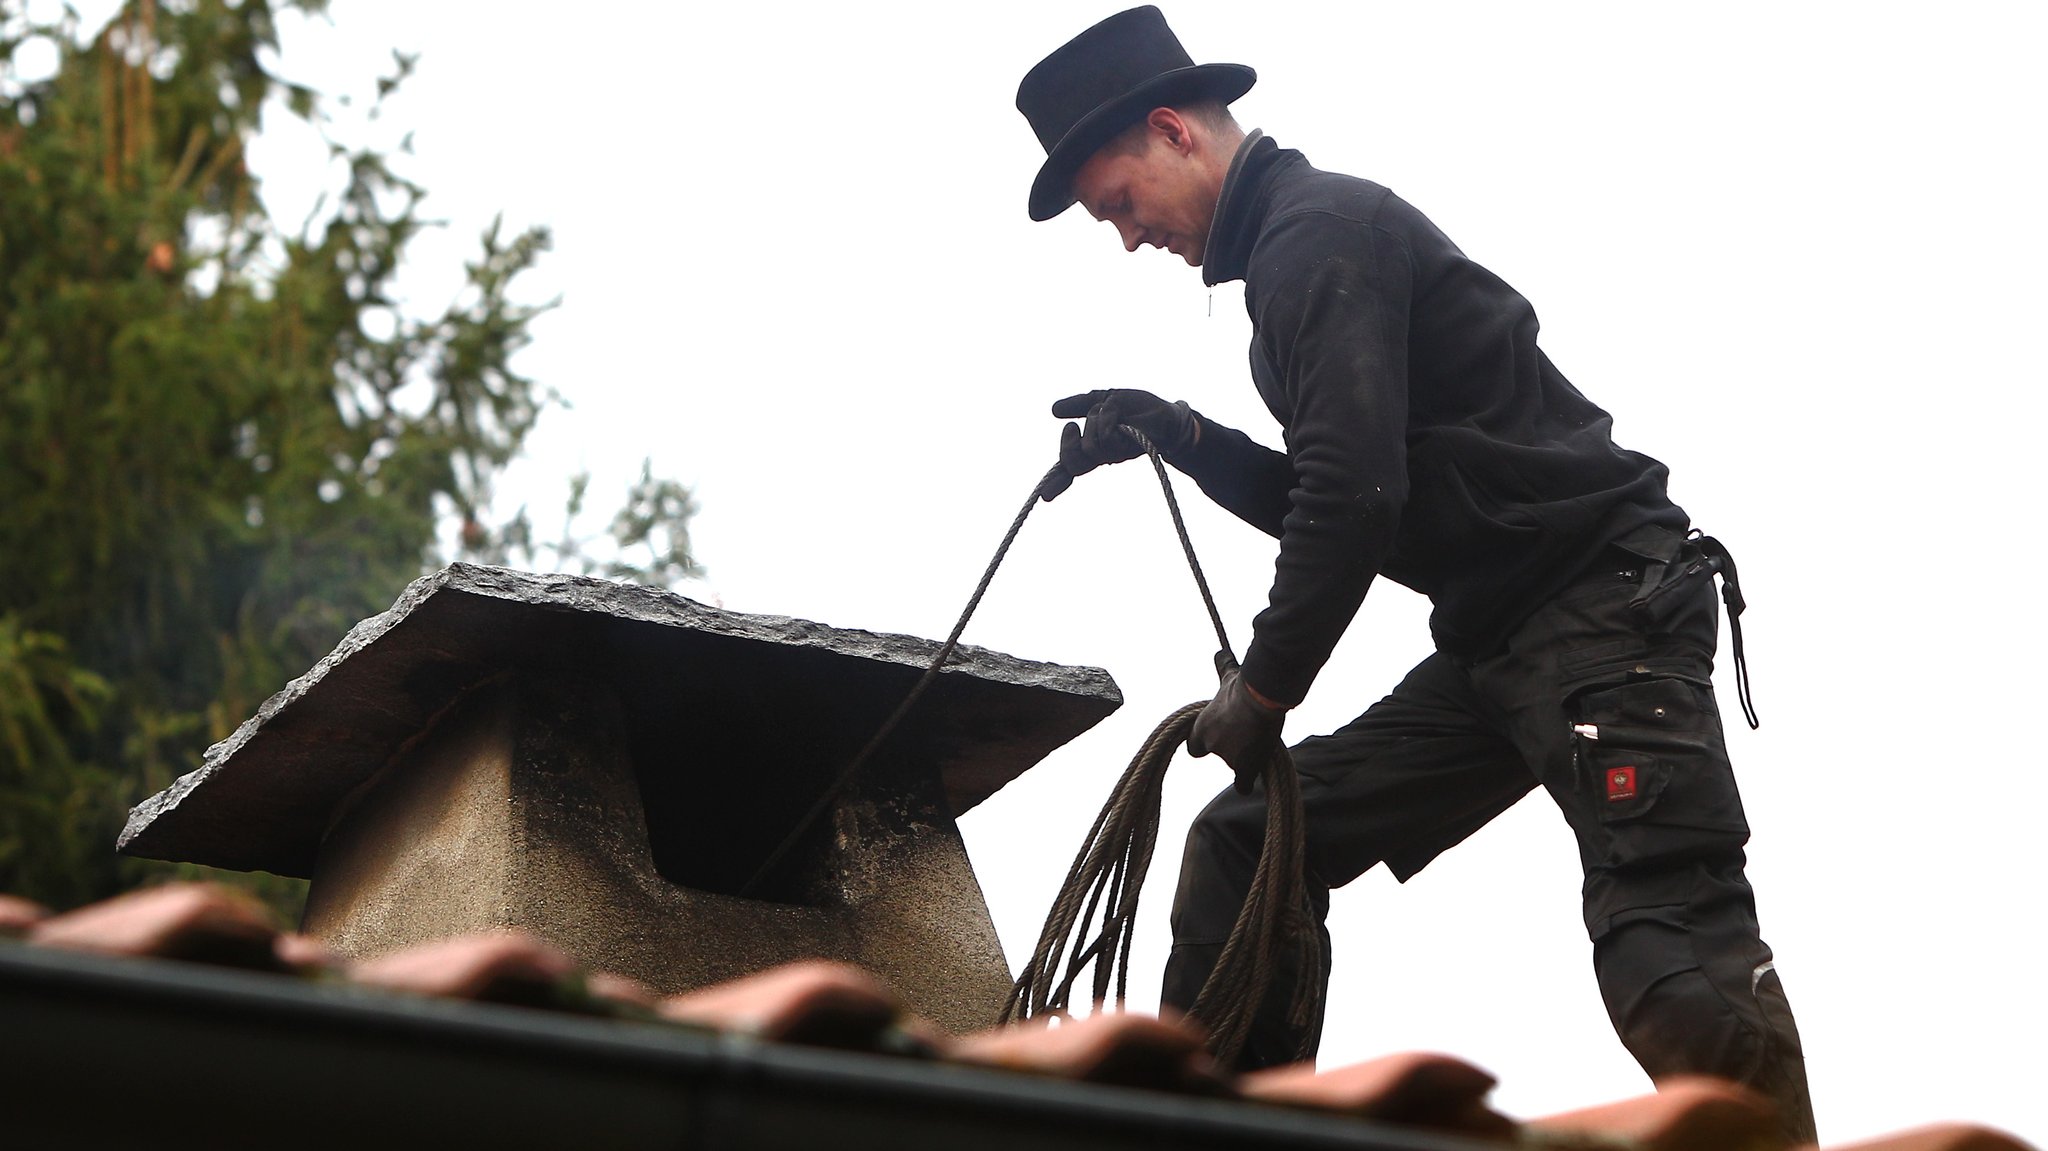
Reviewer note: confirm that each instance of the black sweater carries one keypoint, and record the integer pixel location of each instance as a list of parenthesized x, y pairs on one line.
[(1428, 438)]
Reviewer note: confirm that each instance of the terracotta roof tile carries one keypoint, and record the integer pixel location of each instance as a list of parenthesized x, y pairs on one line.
[(618, 989), (1417, 1089), (1943, 1137), (500, 967), (815, 1003), (202, 922), (1686, 1114), (303, 953), (17, 915), (1116, 1048)]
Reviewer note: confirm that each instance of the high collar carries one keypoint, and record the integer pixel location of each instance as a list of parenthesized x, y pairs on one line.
[(1231, 230)]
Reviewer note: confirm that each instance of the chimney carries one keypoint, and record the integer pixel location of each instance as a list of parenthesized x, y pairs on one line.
[(606, 766)]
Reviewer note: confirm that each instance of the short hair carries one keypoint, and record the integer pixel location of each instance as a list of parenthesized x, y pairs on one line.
[(1211, 114)]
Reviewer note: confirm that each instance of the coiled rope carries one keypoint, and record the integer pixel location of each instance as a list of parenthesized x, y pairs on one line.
[(1108, 874)]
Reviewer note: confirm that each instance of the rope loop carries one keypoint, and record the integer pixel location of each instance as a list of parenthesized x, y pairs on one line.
[(1110, 869)]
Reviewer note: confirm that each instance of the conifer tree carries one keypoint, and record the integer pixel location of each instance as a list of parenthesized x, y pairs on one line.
[(221, 444)]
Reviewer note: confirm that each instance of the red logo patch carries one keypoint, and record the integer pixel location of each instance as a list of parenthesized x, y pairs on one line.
[(1621, 784)]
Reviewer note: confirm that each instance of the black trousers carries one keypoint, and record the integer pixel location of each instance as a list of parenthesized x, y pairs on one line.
[(1614, 716)]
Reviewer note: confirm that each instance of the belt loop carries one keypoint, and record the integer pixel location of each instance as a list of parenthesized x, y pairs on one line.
[(1653, 577)]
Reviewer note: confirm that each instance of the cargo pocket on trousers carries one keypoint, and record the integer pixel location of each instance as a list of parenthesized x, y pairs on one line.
[(1647, 757)]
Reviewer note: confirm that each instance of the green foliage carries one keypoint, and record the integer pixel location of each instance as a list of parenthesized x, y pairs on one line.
[(654, 519), (47, 798), (220, 442)]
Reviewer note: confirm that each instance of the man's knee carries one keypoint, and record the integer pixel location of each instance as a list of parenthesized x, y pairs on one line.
[(1691, 1001), (1678, 1011)]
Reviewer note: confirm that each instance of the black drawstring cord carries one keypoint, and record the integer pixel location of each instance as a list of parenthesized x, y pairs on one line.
[(1731, 594)]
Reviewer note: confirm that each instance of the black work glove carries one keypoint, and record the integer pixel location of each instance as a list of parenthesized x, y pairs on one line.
[(1103, 441), (1237, 725)]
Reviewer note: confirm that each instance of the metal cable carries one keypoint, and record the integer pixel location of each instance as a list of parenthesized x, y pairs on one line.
[(846, 775), (1187, 547)]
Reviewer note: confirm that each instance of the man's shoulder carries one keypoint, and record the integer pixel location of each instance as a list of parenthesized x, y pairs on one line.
[(1300, 188), (1314, 217)]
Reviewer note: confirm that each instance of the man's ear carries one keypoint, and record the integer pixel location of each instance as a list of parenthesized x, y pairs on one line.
[(1172, 128)]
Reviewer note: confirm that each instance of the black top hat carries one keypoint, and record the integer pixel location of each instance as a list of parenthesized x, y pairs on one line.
[(1103, 81)]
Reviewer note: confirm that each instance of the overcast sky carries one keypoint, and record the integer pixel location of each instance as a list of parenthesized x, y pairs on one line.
[(1795, 249)]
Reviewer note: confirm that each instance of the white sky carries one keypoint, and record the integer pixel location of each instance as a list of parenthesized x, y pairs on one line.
[(1795, 249)]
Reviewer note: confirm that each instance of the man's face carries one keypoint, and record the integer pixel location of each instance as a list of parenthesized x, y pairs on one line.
[(1157, 196)]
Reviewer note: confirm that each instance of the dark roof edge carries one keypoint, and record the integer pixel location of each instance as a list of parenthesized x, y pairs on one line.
[(212, 1057)]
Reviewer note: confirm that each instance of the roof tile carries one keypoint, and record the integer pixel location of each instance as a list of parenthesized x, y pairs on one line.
[(1686, 1114), (1943, 1137), (816, 1003), (303, 953), (1419, 1089), (1114, 1048), (500, 967), (201, 922), (17, 915)]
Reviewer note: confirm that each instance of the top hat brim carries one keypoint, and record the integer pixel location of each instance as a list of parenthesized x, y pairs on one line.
[(1053, 191)]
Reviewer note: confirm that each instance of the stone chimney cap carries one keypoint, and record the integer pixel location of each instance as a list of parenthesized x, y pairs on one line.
[(264, 796)]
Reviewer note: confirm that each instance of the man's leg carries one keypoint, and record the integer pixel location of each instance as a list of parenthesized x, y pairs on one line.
[(1618, 718), (1692, 988), (1418, 772)]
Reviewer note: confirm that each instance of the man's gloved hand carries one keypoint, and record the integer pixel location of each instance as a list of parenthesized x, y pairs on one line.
[(1238, 725), (1102, 440)]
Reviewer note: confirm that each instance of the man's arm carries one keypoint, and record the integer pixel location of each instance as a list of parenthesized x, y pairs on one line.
[(1330, 305), (1246, 478)]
